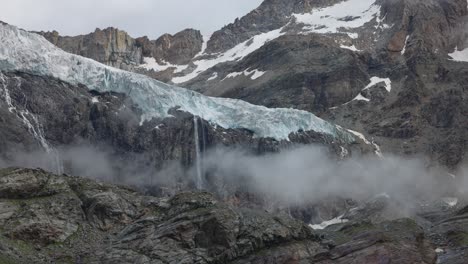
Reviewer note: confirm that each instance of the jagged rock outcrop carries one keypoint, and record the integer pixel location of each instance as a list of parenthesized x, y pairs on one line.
[(71, 219), (116, 48), (178, 49), (110, 46), (270, 15)]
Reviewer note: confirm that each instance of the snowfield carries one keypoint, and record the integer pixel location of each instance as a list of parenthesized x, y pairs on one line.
[(340, 17), (238, 52), (31, 53)]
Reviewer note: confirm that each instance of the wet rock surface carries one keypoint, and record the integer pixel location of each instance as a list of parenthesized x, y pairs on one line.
[(110, 46), (83, 221), (47, 115)]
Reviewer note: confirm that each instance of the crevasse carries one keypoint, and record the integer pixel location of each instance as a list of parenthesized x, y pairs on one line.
[(28, 52)]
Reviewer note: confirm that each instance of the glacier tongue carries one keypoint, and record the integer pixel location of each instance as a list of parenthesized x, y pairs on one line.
[(31, 53)]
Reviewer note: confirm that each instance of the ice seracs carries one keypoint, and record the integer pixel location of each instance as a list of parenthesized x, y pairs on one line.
[(31, 53)]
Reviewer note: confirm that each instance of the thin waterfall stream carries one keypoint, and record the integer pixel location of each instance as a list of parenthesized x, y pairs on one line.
[(198, 156), (33, 125)]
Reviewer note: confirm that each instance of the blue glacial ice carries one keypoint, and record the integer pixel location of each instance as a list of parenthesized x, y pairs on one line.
[(31, 53)]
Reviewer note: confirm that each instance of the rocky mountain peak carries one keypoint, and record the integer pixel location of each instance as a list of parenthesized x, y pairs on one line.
[(270, 15), (176, 49), (110, 46)]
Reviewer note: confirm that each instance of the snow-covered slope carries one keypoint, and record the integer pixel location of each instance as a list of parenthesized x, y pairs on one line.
[(238, 52), (31, 53), (343, 17), (340, 17)]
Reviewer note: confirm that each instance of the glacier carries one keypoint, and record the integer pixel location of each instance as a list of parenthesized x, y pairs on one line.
[(31, 53)]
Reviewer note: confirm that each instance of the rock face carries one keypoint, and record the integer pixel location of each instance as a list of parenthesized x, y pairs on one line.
[(110, 46), (63, 116), (178, 49), (323, 75), (116, 48), (69, 219)]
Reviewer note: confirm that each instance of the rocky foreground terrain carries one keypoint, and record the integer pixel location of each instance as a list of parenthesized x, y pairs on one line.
[(47, 218)]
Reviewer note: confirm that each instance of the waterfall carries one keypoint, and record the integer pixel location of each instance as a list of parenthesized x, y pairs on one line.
[(198, 157), (32, 124)]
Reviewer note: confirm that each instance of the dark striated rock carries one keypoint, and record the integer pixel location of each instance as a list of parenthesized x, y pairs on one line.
[(186, 228), (400, 241), (302, 71), (65, 117)]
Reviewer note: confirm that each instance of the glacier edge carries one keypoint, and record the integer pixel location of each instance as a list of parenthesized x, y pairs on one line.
[(28, 52)]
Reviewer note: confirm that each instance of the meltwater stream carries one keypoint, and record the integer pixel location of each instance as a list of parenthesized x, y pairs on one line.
[(33, 125)]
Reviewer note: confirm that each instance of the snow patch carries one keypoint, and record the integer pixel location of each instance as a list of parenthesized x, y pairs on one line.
[(406, 43), (206, 38), (238, 52), (340, 17), (459, 55), (450, 201), (360, 97), (377, 151), (233, 75), (31, 53), (352, 48), (325, 224), (255, 74), (375, 80), (213, 76), (150, 63), (94, 100)]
